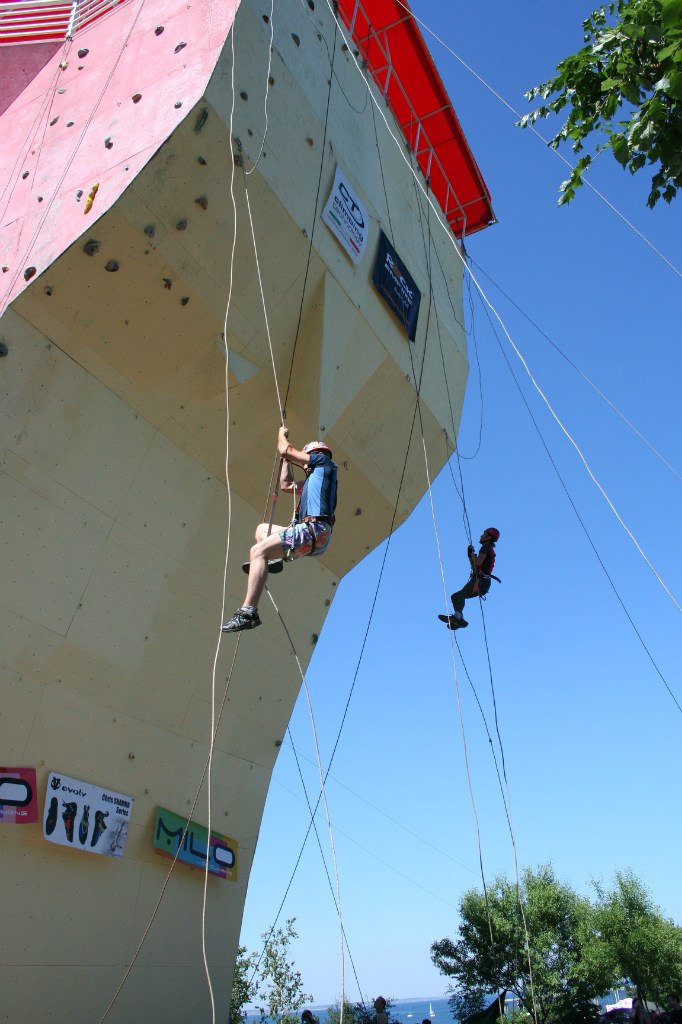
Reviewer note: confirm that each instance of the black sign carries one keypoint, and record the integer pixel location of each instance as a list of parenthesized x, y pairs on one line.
[(393, 280)]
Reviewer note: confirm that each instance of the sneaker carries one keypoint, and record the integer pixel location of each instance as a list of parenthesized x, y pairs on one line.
[(275, 566), (241, 620), (453, 622)]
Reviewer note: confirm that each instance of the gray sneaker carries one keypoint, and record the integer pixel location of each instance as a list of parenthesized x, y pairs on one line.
[(242, 620)]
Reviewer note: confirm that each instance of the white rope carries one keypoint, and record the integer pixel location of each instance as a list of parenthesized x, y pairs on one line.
[(544, 141), (267, 90), (227, 544), (468, 269), (323, 791), (591, 383), (262, 296), (570, 438)]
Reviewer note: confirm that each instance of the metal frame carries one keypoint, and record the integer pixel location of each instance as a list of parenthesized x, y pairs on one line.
[(418, 140), (49, 21)]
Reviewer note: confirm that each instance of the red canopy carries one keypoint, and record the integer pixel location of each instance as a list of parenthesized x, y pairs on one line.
[(389, 41)]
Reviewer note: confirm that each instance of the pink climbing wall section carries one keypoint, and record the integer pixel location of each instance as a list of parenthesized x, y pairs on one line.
[(89, 121)]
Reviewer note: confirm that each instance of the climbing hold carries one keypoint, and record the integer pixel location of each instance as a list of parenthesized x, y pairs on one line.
[(69, 124), (63, 65), (79, 195), (25, 175), (91, 247), (311, 5), (181, 225), (81, 66), (61, 91), (310, 141), (244, 95), (314, 638), (158, 30), (47, 290), (296, 39), (180, 46), (3, 348), (177, 104), (184, 300), (28, 273), (249, 132), (91, 198), (83, 53), (137, 97), (54, 120), (40, 199), (5, 269), (201, 121), (200, 160), (202, 201), (149, 230), (111, 266), (266, 19), (358, 511), (238, 162), (167, 283), (271, 81), (109, 142)]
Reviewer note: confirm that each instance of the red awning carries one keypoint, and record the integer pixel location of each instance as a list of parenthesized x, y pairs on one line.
[(389, 41)]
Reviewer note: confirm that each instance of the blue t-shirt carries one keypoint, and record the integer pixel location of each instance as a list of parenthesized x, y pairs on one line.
[(318, 497)]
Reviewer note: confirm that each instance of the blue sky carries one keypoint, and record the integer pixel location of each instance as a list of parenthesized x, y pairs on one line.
[(591, 738)]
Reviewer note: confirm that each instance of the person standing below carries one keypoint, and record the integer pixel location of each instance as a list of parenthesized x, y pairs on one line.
[(309, 533), (380, 1007), (478, 583), (674, 1009)]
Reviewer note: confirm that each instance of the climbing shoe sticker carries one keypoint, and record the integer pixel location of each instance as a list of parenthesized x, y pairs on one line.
[(97, 818)]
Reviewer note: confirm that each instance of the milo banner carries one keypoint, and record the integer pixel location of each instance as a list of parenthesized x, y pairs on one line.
[(18, 796), (346, 217), (86, 817), (393, 280), (175, 835)]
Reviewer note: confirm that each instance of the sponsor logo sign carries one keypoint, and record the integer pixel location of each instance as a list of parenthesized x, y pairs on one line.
[(393, 280), (346, 217), (86, 817), (174, 834), (18, 796)]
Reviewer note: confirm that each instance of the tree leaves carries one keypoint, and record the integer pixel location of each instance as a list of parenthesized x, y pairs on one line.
[(631, 67)]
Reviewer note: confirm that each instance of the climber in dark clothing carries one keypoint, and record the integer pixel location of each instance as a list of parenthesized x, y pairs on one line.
[(478, 583)]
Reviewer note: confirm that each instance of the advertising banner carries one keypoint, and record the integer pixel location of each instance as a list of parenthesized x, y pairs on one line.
[(173, 834), (393, 280), (18, 796), (346, 217), (86, 817)]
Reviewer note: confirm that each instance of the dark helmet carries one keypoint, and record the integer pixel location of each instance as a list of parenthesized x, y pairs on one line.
[(492, 532)]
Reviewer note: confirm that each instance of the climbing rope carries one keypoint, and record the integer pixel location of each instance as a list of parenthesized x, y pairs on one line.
[(267, 89)]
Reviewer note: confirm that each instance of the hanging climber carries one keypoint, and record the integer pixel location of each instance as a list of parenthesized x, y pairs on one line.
[(310, 530), (478, 583)]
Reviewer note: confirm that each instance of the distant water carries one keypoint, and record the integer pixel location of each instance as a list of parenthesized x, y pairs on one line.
[(407, 1011)]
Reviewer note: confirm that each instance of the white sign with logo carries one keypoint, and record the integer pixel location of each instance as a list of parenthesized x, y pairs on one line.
[(345, 215), (86, 817)]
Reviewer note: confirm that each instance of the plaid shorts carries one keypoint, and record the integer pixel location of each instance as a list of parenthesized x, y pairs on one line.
[(297, 540)]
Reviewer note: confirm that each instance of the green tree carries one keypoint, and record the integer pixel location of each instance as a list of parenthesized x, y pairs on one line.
[(566, 971), (644, 946), (283, 985), (623, 88), (245, 985)]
